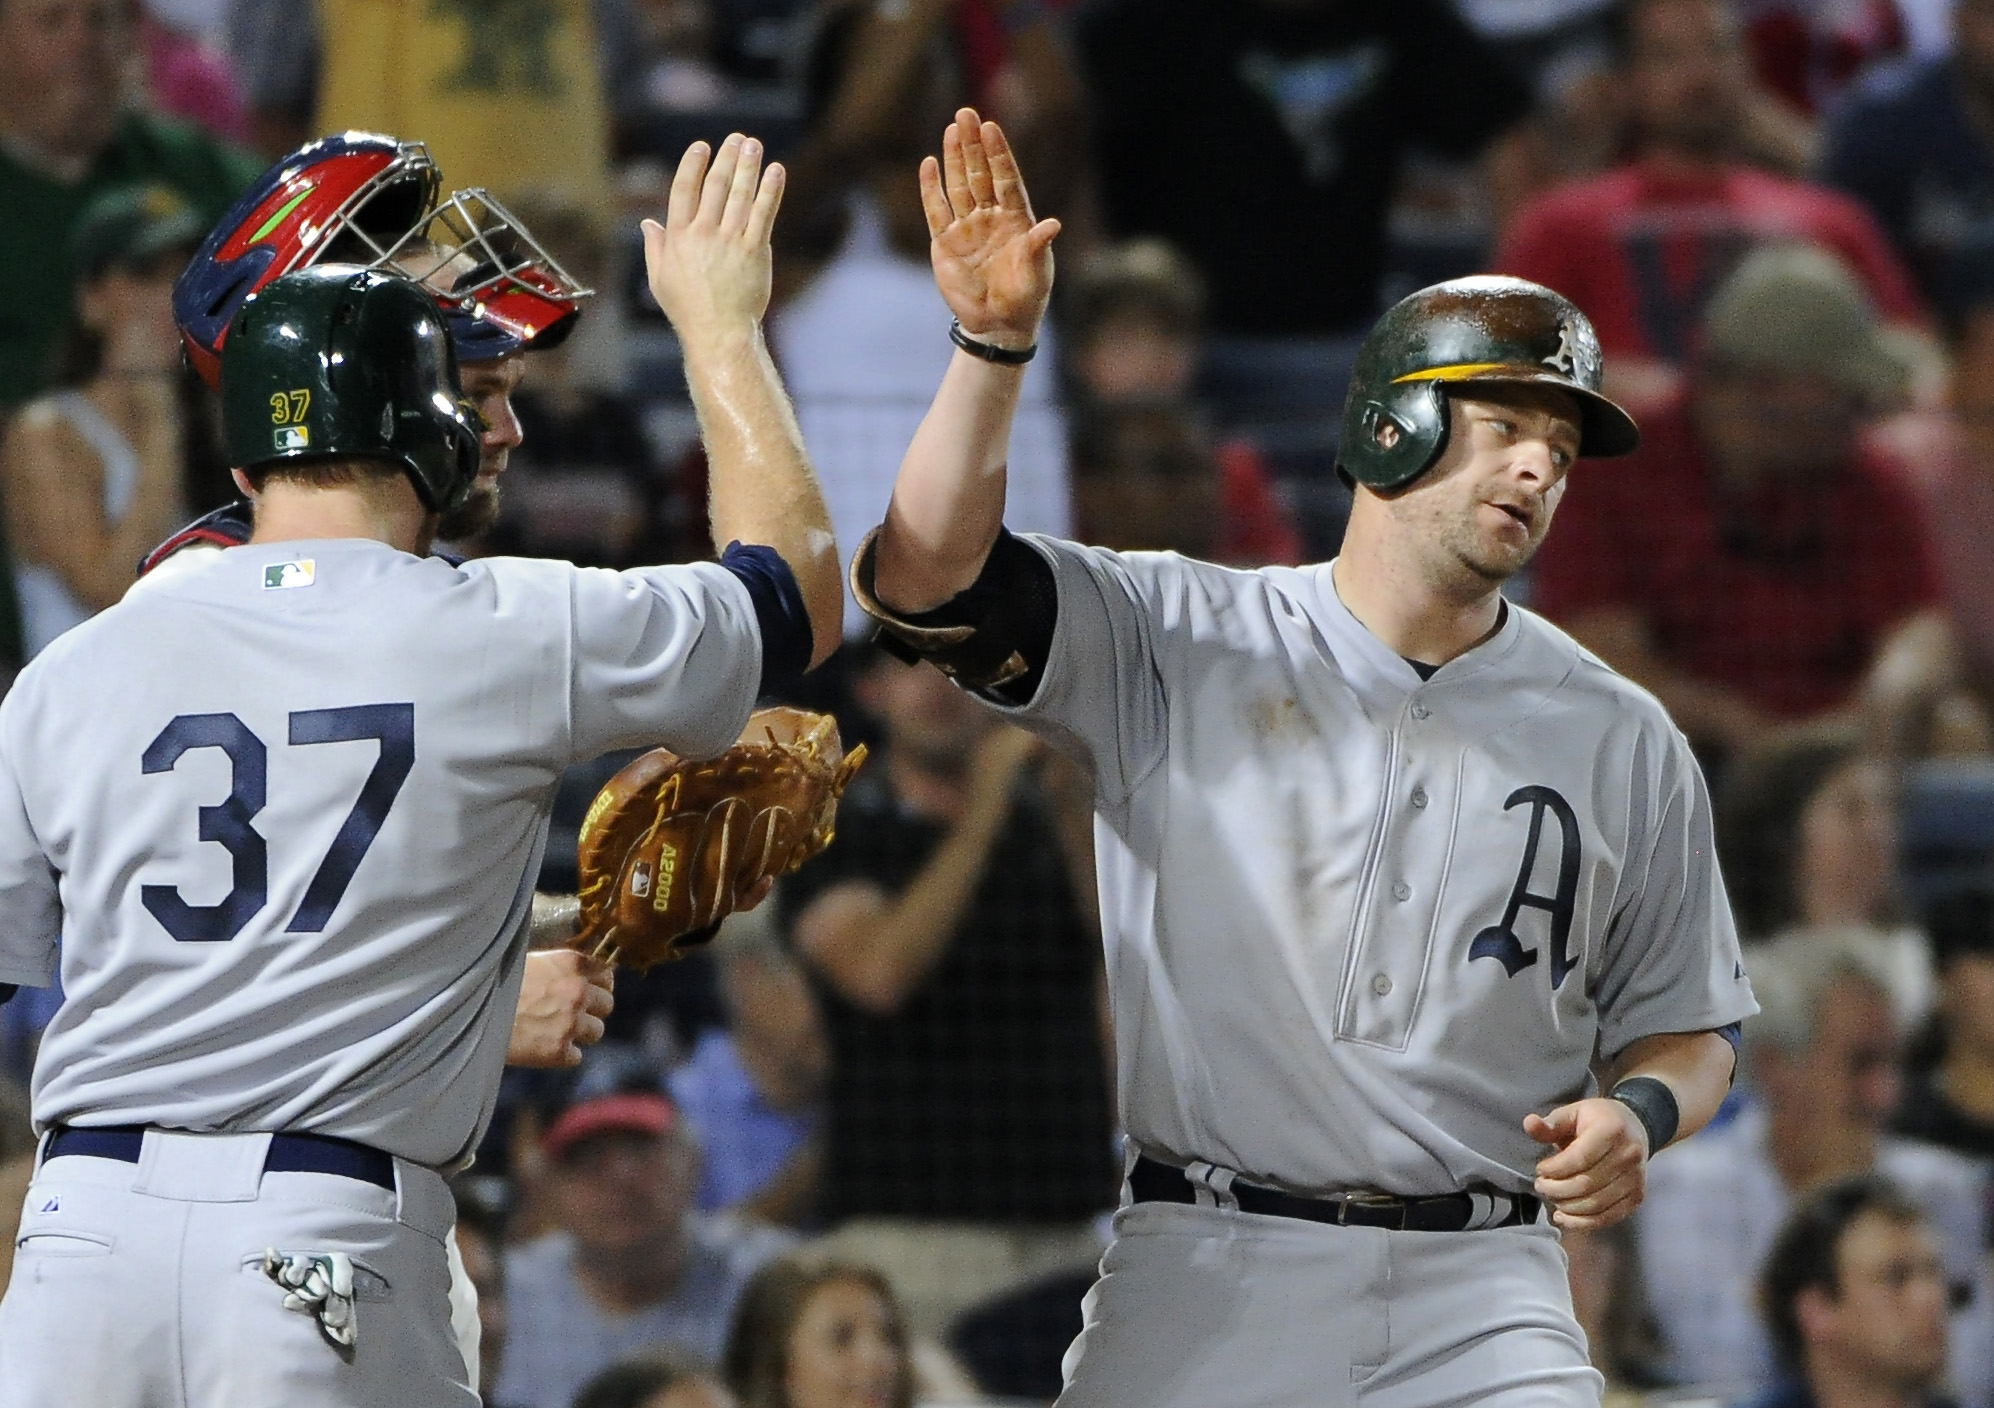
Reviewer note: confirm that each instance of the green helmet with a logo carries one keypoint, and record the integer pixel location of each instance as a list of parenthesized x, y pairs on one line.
[(340, 362), (1488, 330)]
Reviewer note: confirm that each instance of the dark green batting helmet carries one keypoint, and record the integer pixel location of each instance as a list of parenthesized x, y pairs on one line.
[(1486, 329), (340, 362)]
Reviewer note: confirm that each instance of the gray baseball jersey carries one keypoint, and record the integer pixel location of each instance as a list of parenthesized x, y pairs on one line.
[(1359, 924), (282, 813)]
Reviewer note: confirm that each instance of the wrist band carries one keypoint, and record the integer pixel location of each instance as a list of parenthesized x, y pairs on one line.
[(1654, 1104), (1002, 356)]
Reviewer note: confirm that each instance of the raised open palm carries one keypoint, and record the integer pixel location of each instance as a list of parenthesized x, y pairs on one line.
[(993, 261)]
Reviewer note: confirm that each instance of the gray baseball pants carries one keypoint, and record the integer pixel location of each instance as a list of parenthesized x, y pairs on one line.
[(1202, 1307), (142, 1285)]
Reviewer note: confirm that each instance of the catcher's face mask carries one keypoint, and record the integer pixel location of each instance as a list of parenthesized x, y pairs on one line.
[(501, 291)]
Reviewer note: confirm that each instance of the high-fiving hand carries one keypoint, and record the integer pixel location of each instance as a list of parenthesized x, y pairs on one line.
[(993, 260), (708, 263)]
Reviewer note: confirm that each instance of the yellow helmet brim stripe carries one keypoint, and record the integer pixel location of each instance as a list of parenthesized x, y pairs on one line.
[(1460, 371)]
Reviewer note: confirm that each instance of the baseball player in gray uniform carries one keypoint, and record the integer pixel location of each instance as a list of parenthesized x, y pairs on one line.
[(1385, 862), (279, 818)]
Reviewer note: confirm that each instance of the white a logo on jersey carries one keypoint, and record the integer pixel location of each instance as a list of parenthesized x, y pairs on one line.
[(279, 575)]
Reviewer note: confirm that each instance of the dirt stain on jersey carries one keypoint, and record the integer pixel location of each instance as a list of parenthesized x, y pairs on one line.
[(1274, 720)]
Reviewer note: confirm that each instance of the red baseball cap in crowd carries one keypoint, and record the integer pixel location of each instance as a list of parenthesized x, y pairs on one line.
[(637, 1111)]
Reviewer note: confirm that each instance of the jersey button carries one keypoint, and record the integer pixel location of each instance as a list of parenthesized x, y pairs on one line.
[(1420, 711), (1381, 985), (1402, 891), (1419, 796)]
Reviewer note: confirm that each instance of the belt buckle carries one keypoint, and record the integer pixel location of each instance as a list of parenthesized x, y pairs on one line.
[(1370, 1200)]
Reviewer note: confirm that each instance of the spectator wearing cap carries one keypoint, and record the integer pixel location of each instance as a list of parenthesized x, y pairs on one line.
[(631, 1267), (69, 132), (1949, 1094), (1146, 476), (1822, 1064), (1643, 247), (1756, 562), (99, 470), (1854, 1293)]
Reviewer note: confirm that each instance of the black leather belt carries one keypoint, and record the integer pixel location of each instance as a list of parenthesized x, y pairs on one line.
[(1153, 1182), (289, 1153)]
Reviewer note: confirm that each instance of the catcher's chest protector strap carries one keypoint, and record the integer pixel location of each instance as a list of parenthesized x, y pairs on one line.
[(779, 611), (993, 637)]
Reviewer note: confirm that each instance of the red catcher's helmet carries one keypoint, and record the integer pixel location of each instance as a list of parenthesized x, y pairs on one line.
[(363, 198), (295, 215)]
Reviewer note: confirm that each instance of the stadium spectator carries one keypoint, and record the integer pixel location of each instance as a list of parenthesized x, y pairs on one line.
[(1642, 248), (861, 334), (1145, 478), (98, 472), (1566, 49), (1263, 138), (1854, 1293), (1947, 462), (1807, 836), (1914, 144), (655, 1381), (630, 1267), (967, 1126), (752, 1090), (67, 134), (1134, 320), (1822, 1058), (819, 1335), (1754, 562), (1949, 1092), (1807, 832)]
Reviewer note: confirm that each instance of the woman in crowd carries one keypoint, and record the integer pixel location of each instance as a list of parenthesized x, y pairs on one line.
[(100, 470), (1807, 836), (819, 1335)]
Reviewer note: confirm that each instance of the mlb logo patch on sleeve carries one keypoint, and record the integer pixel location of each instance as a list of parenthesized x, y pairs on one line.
[(279, 575), (293, 437)]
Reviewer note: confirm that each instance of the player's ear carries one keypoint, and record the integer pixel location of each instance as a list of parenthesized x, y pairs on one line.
[(242, 482)]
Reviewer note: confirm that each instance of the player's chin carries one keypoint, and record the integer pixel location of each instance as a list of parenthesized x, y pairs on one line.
[(474, 516)]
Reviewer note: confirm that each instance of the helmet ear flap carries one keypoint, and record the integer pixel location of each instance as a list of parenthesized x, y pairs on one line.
[(1401, 434)]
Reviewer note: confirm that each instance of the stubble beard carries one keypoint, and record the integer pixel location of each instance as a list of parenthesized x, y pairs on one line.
[(473, 517), (1462, 544)]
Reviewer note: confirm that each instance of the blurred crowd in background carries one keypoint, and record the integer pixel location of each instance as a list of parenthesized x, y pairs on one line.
[(862, 1150)]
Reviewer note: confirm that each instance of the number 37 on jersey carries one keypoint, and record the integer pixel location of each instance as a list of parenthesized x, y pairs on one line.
[(229, 823)]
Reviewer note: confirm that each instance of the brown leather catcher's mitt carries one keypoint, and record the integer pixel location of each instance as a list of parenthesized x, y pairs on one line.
[(670, 847)]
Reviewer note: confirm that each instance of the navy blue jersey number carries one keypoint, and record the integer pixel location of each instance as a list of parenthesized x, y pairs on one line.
[(229, 823), (394, 726)]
